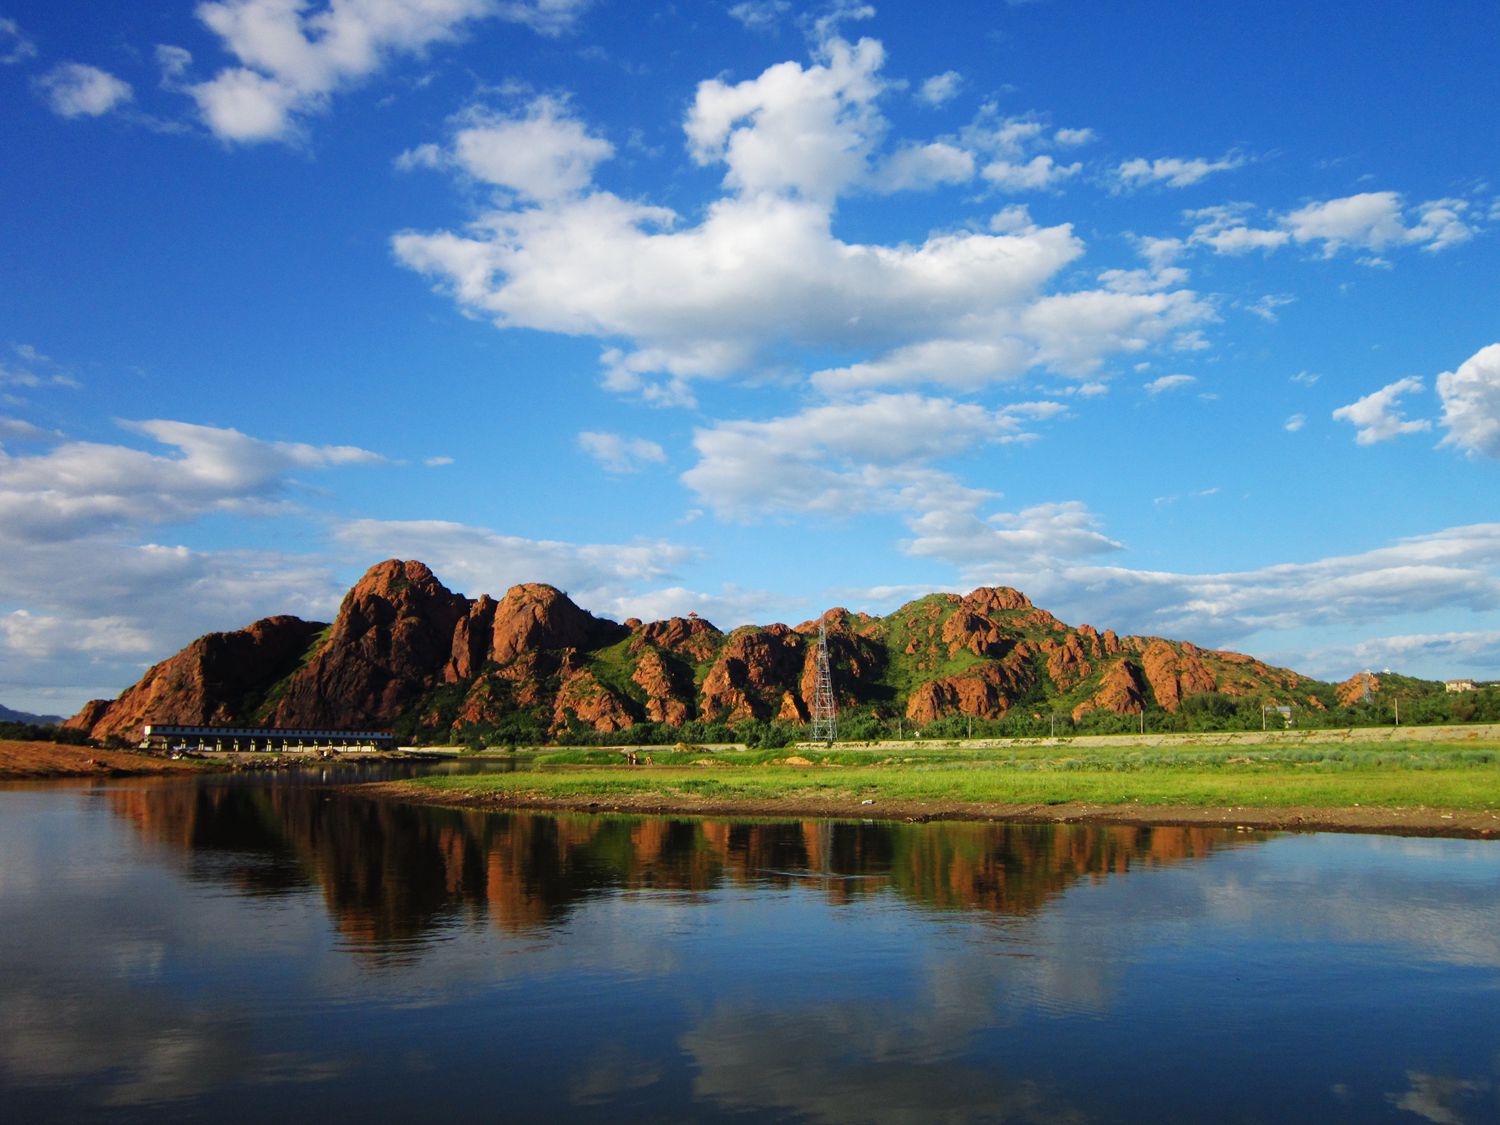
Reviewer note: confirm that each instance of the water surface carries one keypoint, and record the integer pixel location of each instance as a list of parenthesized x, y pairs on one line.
[(255, 947)]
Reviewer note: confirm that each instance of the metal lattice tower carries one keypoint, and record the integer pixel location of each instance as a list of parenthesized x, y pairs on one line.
[(824, 709)]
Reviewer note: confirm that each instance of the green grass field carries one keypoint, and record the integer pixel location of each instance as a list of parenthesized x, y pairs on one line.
[(1386, 775)]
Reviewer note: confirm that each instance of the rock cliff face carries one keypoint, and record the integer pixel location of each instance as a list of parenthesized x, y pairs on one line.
[(405, 652), (393, 635), (220, 679)]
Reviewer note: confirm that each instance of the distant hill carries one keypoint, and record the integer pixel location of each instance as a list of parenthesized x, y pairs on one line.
[(408, 654), (9, 716)]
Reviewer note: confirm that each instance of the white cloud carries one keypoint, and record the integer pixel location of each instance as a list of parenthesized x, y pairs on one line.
[(918, 167), (437, 462), (761, 15), (1377, 416), (99, 609), (762, 276), (21, 430), (1169, 383), (619, 454), (15, 47), (1449, 655), (77, 90), (1034, 537), (792, 131), (1369, 221), (294, 56), (84, 488), (1295, 423), (1265, 307), (1070, 138), (847, 458), (1173, 171), (542, 155), (1159, 252), (1471, 403), (940, 88), (1040, 173), (173, 62)]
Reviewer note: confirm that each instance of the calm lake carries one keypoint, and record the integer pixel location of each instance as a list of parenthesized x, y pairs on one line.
[(266, 948)]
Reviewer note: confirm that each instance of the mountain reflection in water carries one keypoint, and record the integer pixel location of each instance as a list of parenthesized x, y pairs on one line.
[(248, 949), (392, 874)]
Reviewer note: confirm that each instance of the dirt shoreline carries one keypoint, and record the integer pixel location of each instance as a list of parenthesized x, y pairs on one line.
[(1484, 825), (21, 761)]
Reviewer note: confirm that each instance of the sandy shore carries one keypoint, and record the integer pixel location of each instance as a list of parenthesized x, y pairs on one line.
[(54, 759), (1401, 822)]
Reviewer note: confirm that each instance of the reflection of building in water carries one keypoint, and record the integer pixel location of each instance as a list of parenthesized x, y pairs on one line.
[(393, 874)]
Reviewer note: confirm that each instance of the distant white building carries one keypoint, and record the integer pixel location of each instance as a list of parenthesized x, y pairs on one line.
[(1461, 685)]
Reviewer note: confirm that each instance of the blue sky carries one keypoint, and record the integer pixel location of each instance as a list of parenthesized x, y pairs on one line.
[(1183, 322)]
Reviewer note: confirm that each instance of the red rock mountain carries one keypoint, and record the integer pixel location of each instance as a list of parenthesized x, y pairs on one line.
[(407, 653)]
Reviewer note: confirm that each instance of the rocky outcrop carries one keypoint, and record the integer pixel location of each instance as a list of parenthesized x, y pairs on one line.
[(219, 679), (1175, 672), (691, 638), (1121, 692), (583, 699), (754, 671), (389, 644), (667, 697), (979, 693), (407, 652), (536, 617)]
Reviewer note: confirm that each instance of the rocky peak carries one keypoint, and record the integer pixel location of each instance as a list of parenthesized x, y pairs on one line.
[(535, 616), (992, 599), (690, 637)]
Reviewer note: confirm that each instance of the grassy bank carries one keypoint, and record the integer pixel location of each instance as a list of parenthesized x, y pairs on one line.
[(1434, 775)]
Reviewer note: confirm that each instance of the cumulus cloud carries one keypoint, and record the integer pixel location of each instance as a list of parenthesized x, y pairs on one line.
[(1173, 171), (1070, 138), (76, 90), (1169, 383), (921, 166), (541, 154), (1471, 403), (82, 488), (762, 276), (1377, 416), (1369, 221), (1033, 538), (1294, 423), (619, 454), (794, 130), (295, 56), (940, 88), (873, 455), (1040, 173)]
